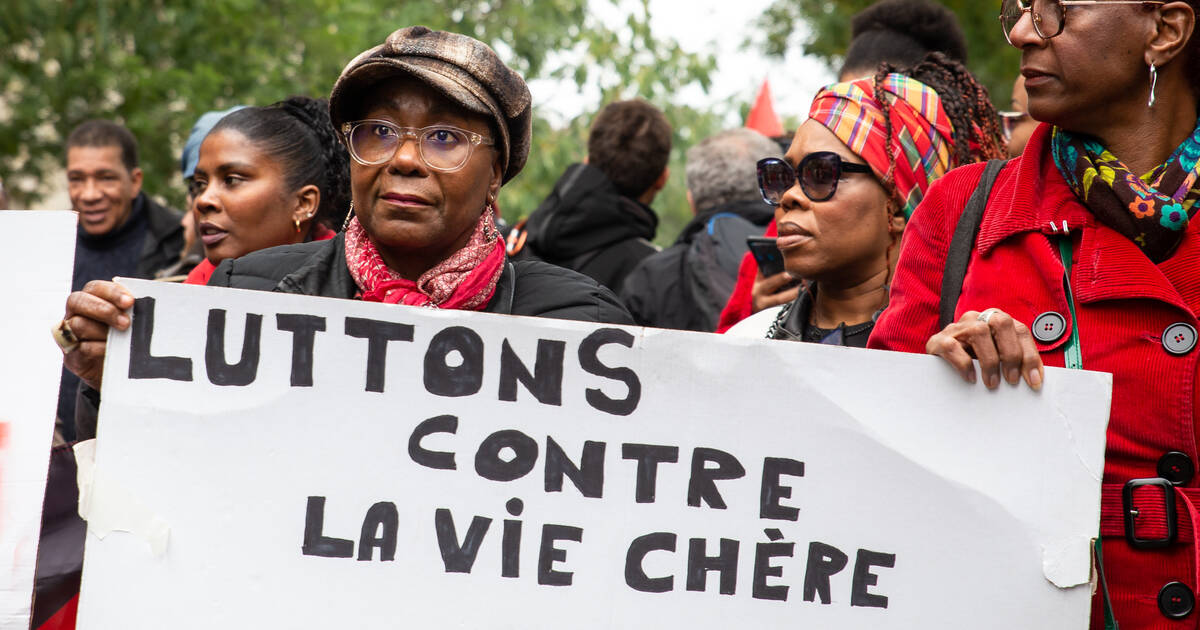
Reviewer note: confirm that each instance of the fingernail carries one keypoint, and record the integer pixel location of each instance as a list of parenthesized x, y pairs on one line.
[(1035, 379), (993, 381), (971, 378), (1014, 376), (122, 322)]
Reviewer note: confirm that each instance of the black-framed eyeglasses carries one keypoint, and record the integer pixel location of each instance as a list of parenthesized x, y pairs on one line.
[(442, 147), (818, 174), (1049, 16)]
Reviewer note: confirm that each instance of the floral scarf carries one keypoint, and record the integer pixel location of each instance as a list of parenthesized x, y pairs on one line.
[(1152, 210), (464, 281)]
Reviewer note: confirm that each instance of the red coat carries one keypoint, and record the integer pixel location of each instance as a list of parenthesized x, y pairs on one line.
[(1124, 303)]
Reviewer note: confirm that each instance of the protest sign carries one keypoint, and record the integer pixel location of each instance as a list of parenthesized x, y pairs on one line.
[(37, 261), (289, 461)]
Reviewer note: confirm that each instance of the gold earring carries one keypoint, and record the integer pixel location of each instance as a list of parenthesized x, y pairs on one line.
[(349, 215), (297, 222)]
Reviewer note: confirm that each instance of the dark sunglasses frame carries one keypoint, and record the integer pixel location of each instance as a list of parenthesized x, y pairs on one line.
[(838, 164)]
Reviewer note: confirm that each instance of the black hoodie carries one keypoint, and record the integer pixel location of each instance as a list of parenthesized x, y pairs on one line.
[(587, 226)]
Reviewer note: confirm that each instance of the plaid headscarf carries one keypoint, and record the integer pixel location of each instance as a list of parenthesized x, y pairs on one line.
[(922, 137)]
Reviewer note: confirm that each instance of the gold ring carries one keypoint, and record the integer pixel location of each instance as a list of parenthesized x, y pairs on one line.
[(64, 337)]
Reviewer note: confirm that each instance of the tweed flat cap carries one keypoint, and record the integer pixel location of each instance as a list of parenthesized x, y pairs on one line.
[(466, 70)]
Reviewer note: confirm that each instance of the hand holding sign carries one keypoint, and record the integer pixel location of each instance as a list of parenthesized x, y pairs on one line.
[(1003, 346), (90, 313), (498, 472)]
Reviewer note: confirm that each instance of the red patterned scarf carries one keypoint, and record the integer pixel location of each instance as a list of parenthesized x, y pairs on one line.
[(464, 281), (922, 141)]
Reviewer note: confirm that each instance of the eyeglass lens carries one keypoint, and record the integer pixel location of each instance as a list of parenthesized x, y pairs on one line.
[(441, 147), (818, 175), (1047, 16), (775, 177)]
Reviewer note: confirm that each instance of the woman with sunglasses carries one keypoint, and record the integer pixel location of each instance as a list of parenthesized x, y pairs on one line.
[(1086, 258), (853, 176), (435, 123)]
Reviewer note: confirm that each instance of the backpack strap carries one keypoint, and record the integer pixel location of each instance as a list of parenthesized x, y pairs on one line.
[(506, 288), (512, 289), (958, 257)]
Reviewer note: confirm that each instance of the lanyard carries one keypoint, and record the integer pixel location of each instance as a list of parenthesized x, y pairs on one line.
[(1074, 361), (1074, 356)]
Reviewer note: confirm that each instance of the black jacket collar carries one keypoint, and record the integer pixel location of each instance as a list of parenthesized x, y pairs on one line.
[(755, 211)]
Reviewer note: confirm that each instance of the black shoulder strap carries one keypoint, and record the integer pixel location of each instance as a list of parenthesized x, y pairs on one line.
[(512, 289), (965, 233)]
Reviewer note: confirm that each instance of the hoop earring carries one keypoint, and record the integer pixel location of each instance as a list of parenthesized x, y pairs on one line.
[(1153, 83), (349, 215)]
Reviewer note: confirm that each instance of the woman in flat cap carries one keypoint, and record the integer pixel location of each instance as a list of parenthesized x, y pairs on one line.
[(435, 123)]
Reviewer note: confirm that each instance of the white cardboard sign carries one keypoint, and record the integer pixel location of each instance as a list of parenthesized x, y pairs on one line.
[(37, 261), (301, 462)]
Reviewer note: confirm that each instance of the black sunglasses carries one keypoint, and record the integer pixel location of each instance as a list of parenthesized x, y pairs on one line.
[(818, 174)]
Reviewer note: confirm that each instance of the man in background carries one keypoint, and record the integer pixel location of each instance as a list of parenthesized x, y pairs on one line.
[(121, 231), (686, 285), (598, 220)]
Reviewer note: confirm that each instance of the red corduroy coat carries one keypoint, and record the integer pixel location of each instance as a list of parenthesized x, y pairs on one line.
[(1125, 304)]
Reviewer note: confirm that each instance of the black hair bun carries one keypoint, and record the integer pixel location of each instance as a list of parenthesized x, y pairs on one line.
[(314, 114), (931, 25)]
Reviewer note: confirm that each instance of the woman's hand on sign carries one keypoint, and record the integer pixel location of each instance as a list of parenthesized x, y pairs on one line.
[(90, 313), (1004, 347), (773, 291)]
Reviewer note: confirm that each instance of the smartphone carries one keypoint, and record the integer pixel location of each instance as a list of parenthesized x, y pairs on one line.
[(766, 254)]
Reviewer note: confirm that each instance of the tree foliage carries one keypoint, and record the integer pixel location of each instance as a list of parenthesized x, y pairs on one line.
[(156, 65), (828, 34)]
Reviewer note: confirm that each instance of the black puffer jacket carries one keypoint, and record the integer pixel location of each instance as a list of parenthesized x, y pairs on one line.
[(686, 285), (586, 225), (528, 288)]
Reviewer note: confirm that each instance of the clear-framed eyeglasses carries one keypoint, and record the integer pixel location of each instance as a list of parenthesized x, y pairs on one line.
[(1009, 122), (442, 147), (1050, 16)]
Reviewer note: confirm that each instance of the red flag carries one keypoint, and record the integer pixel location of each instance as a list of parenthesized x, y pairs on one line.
[(762, 116)]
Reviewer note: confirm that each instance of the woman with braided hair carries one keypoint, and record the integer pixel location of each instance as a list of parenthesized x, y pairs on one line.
[(856, 170), (1086, 257), (268, 176)]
